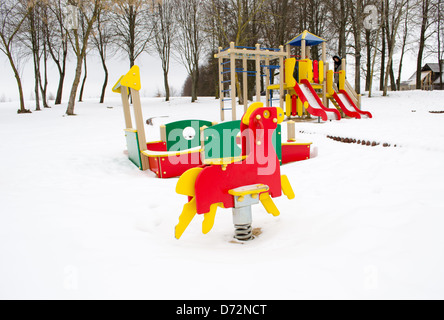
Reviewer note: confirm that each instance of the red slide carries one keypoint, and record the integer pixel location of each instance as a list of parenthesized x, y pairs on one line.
[(316, 108), (349, 108)]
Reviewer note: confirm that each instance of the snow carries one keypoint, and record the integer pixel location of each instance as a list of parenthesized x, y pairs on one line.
[(79, 221)]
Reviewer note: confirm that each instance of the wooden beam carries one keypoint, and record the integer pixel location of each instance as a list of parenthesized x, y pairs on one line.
[(233, 82), (221, 87), (281, 79), (258, 74), (126, 107), (245, 82)]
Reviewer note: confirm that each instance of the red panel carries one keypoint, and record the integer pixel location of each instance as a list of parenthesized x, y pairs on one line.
[(294, 100), (316, 71), (154, 165), (156, 146), (175, 166), (293, 153)]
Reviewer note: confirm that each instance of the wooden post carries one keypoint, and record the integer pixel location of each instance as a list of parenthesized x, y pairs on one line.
[(281, 79), (288, 51), (258, 73), (233, 81), (245, 79), (267, 80), (303, 52), (291, 131), (221, 86), (324, 87), (126, 107), (139, 119), (324, 52)]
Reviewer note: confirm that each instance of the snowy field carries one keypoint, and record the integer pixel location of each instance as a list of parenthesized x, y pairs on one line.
[(79, 221)]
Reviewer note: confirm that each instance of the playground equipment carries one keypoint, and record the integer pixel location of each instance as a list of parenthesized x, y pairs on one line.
[(303, 83), (179, 148), (342, 98), (228, 71), (252, 177), (184, 144)]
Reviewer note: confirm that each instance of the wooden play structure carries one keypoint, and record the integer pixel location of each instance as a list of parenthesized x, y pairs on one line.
[(305, 86), (252, 177), (188, 144), (179, 148)]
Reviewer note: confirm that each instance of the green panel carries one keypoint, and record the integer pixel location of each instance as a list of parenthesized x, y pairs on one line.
[(175, 134), (132, 142), (228, 148), (220, 140), (277, 141)]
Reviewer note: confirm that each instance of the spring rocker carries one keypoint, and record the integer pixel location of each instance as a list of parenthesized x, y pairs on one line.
[(237, 182)]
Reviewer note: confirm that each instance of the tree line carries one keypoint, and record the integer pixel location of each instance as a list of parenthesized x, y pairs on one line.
[(191, 31)]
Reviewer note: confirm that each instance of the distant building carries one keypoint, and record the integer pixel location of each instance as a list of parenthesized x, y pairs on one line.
[(430, 78)]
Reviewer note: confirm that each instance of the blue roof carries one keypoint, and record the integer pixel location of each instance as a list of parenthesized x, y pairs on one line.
[(310, 40)]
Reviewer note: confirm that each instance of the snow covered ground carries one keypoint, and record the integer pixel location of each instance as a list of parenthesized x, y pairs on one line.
[(78, 220)]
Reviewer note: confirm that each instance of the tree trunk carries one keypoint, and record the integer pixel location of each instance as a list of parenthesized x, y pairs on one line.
[(62, 72), (358, 46), (36, 82), (84, 80), (35, 57), (105, 83), (75, 86), (59, 96), (369, 58), (342, 49), (167, 86), (195, 80), (440, 62), (383, 49), (19, 84), (425, 9), (44, 82)]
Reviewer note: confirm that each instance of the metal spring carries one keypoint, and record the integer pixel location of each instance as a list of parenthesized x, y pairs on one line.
[(243, 232)]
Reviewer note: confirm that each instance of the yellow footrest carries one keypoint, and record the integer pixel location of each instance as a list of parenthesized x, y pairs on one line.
[(247, 190)]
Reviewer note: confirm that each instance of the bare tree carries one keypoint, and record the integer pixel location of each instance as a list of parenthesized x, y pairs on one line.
[(425, 23), (57, 42), (438, 7), (395, 11), (190, 40), (404, 37), (12, 16), (164, 28), (102, 40), (357, 18), (34, 37), (90, 10), (132, 26)]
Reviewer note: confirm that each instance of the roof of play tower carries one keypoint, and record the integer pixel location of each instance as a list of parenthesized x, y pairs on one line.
[(310, 39)]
